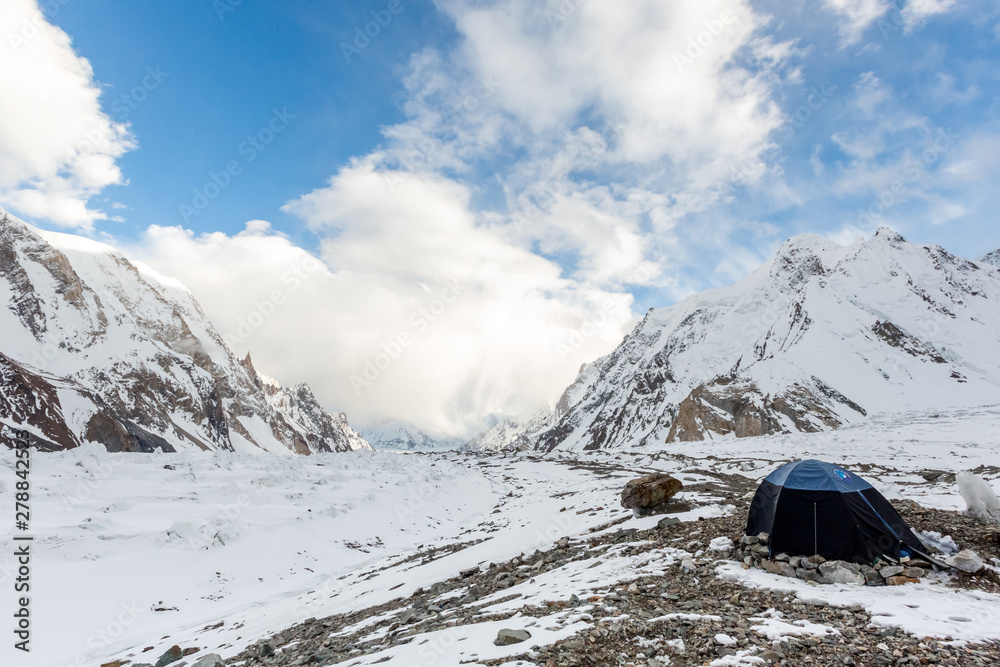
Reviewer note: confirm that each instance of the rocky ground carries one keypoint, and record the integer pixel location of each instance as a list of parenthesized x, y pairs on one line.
[(688, 616)]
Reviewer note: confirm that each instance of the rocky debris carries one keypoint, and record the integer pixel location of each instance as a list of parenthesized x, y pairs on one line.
[(650, 494), (650, 621), (506, 637), (752, 551), (966, 560)]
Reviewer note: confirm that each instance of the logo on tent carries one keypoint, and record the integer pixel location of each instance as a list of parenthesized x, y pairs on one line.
[(842, 474)]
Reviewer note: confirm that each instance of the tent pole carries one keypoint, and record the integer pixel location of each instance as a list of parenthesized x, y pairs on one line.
[(815, 531)]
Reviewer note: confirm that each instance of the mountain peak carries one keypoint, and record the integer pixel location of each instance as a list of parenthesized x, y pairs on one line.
[(890, 235), (819, 337), (992, 258)]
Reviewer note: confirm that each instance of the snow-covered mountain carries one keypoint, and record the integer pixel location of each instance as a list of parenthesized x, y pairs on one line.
[(96, 348), (392, 434), (820, 336)]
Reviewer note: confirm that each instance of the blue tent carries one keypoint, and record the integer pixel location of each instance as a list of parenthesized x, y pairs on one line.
[(813, 507)]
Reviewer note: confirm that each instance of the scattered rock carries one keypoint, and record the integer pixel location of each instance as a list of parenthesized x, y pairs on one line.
[(507, 637), (900, 580)]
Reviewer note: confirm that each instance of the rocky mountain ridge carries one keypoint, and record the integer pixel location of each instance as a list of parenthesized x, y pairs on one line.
[(820, 336), (96, 348)]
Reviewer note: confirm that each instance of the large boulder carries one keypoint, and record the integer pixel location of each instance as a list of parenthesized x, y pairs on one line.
[(966, 560), (652, 494)]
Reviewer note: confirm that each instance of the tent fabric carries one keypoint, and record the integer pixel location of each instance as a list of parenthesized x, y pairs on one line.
[(813, 475), (812, 507)]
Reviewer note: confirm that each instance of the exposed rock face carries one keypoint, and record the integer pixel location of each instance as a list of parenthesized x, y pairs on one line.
[(95, 349), (817, 338), (650, 494), (725, 407)]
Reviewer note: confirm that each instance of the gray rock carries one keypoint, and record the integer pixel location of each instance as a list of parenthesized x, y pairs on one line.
[(172, 654), (915, 572), (966, 560), (507, 637), (795, 561), (750, 539), (265, 650), (210, 660), (783, 558), (809, 575), (764, 537), (891, 571), (838, 572), (668, 521), (779, 568)]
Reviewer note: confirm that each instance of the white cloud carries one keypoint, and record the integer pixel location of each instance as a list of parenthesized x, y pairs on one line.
[(917, 11), (859, 14), (57, 148), (512, 337), (606, 127)]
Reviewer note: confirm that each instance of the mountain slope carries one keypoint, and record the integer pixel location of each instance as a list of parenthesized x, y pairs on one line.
[(818, 337), (95, 348)]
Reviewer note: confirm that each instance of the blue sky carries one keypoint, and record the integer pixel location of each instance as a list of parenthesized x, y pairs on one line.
[(571, 163)]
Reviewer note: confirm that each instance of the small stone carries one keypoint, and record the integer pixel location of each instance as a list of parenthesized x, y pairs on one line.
[(750, 539), (899, 581), (809, 575), (795, 561), (782, 557), (763, 537), (769, 656), (667, 521), (465, 574), (506, 637), (688, 565), (915, 572), (779, 568), (173, 654), (891, 571), (265, 650)]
